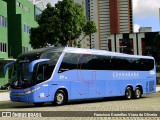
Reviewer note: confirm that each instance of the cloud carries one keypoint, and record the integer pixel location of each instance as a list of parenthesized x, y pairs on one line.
[(136, 27), (143, 8)]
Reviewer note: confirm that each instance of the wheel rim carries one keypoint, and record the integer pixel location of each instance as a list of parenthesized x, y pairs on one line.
[(128, 94), (138, 93), (60, 98)]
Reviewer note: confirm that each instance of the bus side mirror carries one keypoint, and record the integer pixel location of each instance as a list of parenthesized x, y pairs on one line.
[(7, 65), (33, 63)]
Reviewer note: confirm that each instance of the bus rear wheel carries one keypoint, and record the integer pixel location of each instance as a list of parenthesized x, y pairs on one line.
[(128, 93), (137, 93), (60, 97)]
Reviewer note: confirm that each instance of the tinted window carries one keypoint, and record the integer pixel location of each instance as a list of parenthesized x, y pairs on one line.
[(98, 62), (45, 69), (124, 63), (85, 62), (69, 62)]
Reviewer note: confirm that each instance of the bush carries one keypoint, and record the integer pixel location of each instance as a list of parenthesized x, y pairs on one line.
[(158, 68)]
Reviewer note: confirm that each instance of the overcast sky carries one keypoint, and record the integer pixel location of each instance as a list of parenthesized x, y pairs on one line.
[(145, 13)]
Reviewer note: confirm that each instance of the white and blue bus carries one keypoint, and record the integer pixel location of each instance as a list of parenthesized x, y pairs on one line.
[(59, 75)]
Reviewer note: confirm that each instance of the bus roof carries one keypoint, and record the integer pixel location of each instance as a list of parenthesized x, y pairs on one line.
[(102, 52), (38, 52)]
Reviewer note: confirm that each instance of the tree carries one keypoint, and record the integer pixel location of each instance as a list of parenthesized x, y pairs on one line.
[(61, 25)]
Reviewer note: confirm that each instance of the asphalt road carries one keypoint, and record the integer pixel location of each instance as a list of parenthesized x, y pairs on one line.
[(148, 103)]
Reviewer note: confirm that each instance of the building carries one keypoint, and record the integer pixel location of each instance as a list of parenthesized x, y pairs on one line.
[(16, 19), (145, 29), (3, 39), (21, 17), (142, 43), (110, 16)]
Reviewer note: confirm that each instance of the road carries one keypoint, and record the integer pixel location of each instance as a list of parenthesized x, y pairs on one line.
[(149, 102)]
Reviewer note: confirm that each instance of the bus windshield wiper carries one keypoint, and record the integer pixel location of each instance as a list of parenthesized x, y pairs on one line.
[(63, 70)]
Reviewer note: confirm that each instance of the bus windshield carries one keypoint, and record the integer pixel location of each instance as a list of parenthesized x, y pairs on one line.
[(21, 75), (22, 78)]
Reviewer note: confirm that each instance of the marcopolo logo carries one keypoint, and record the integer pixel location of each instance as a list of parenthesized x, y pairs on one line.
[(125, 74)]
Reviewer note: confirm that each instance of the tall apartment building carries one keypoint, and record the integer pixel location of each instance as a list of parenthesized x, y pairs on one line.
[(110, 16), (16, 19)]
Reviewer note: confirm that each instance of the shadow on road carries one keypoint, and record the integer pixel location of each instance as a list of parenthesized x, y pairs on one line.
[(17, 105)]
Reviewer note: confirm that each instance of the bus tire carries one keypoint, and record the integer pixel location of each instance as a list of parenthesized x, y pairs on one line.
[(137, 93), (39, 104), (60, 98), (128, 93)]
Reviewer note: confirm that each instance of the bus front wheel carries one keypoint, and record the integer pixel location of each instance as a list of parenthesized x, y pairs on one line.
[(60, 97), (128, 93), (137, 93)]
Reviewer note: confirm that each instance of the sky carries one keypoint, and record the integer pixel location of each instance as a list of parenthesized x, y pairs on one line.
[(145, 13)]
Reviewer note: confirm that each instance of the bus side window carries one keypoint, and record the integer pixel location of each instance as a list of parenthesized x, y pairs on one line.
[(42, 73), (69, 62)]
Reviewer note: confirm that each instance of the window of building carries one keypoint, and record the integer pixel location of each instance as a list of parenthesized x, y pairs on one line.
[(26, 28), (0, 46), (22, 6), (38, 13), (3, 21), (109, 45), (3, 47), (19, 4), (25, 49)]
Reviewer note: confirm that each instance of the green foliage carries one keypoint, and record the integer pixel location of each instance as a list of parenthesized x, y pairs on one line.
[(77, 44), (157, 68), (61, 25), (90, 28)]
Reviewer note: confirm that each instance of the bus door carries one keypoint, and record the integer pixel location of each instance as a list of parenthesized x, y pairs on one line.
[(40, 77)]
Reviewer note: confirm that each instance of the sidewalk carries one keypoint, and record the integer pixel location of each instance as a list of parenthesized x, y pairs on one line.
[(4, 96)]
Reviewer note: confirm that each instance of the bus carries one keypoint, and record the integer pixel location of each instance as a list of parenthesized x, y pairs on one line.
[(59, 75)]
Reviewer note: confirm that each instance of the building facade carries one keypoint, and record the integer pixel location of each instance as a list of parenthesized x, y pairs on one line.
[(16, 19), (21, 17), (3, 39), (110, 16), (142, 43)]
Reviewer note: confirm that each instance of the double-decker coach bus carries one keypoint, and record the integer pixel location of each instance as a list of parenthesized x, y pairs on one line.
[(61, 74)]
